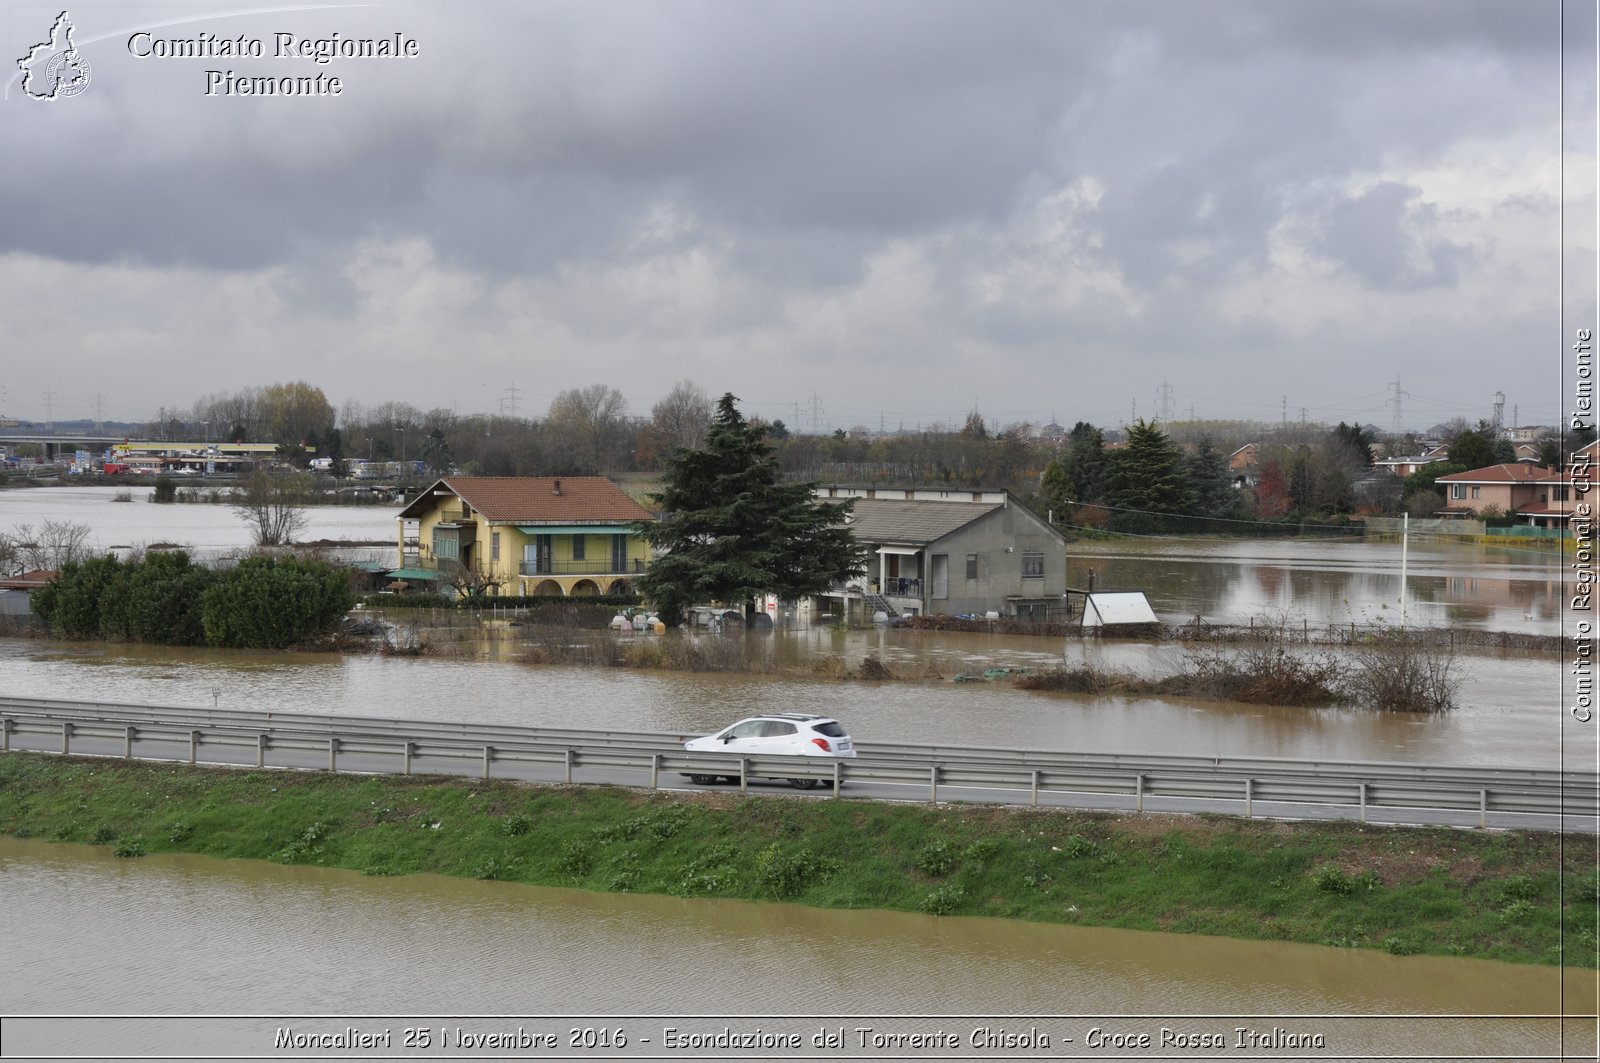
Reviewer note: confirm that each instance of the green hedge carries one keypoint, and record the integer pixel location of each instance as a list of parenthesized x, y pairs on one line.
[(263, 603)]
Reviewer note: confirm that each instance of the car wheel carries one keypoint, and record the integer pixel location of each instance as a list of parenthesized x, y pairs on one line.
[(805, 784), (703, 780)]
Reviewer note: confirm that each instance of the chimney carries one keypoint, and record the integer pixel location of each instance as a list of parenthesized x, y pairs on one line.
[(556, 490)]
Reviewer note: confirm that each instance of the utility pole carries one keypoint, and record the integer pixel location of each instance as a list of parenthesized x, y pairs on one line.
[(1164, 392), (50, 409), (1399, 423)]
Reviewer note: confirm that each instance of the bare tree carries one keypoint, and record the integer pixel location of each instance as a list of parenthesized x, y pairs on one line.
[(273, 504), (56, 543), (588, 429), (681, 419)]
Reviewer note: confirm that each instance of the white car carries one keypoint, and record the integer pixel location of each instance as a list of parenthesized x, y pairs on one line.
[(794, 734)]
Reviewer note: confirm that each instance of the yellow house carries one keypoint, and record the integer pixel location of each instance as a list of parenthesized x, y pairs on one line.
[(569, 535)]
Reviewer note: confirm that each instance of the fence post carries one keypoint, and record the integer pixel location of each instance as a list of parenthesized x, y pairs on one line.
[(407, 747), (744, 775), (1363, 802), (127, 742), (1249, 794), (5, 734), (194, 746), (1138, 793), (1034, 788), (261, 750), (837, 777), (488, 755), (566, 759), (66, 738), (655, 769), (333, 754), (1483, 808), (933, 784)]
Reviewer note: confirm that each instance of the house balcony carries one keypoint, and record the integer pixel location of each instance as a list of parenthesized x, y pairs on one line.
[(581, 568), (897, 589)]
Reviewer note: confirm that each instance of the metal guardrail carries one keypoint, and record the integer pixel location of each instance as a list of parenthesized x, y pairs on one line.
[(407, 745)]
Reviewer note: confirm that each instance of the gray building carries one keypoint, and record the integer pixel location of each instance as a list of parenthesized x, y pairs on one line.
[(956, 552)]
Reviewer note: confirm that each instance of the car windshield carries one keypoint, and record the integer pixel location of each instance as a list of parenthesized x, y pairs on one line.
[(831, 729)]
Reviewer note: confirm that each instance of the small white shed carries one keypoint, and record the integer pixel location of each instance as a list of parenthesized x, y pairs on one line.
[(1120, 607)]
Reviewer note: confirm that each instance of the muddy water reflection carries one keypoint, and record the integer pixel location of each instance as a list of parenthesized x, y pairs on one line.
[(1500, 588), (1511, 710), (182, 935)]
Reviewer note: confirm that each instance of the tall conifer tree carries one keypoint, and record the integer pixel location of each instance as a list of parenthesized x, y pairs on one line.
[(1148, 479), (729, 530)]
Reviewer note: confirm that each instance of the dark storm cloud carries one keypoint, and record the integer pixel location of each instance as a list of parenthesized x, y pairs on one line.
[(1106, 187), (828, 124), (1388, 239)]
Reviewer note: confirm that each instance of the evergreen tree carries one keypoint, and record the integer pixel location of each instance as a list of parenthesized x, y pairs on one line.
[(1148, 480), (1085, 463), (729, 530), (157, 600), (1055, 491), (1354, 441), (1302, 479), (1423, 479), (72, 603), (268, 603), (1475, 448), (1214, 494)]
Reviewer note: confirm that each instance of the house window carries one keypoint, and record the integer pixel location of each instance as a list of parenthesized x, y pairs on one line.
[(972, 566), (578, 544), (1476, 491), (1032, 566), (494, 546), (1458, 491), (1558, 494), (619, 553), (445, 547)]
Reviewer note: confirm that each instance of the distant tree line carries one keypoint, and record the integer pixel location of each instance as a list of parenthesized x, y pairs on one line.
[(1145, 477)]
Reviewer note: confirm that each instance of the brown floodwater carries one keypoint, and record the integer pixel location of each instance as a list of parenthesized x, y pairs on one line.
[(1510, 711), (165, 937)]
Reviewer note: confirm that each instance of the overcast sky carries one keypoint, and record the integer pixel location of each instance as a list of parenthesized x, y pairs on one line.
[(862, 212)]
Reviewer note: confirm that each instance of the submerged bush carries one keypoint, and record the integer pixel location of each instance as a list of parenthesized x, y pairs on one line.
[(1395, 672), (1267, 674)]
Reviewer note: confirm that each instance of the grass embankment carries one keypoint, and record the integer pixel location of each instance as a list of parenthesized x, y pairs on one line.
[(1491, 895)]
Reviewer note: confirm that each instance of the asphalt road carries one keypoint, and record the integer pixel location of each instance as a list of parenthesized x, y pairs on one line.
[(470, 767)]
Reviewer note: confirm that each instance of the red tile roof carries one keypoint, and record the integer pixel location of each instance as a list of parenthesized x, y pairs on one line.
[(535, 499), (28, 581), (1513, 473)]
